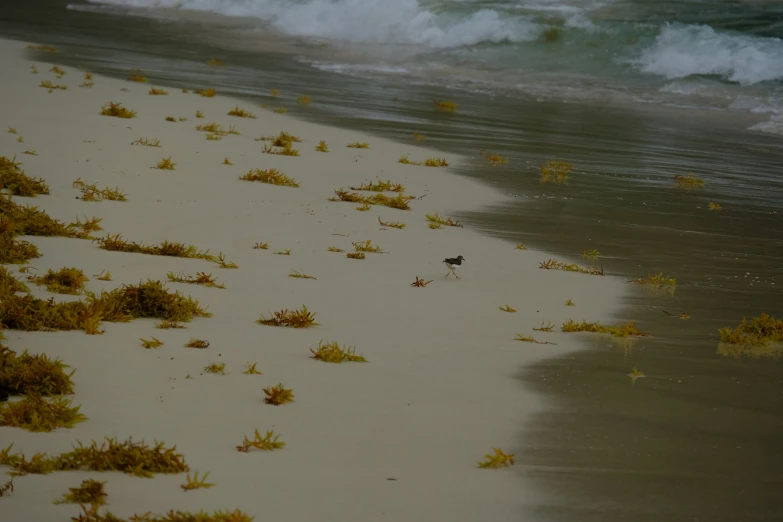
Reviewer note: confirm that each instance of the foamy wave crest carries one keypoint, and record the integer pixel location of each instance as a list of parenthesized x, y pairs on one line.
[(684, 50), (381, 21)]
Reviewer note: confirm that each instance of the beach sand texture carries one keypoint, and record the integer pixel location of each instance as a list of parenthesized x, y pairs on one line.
[(437, 393)]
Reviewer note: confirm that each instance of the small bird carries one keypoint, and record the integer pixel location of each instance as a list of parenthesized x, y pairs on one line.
[(453, 263)]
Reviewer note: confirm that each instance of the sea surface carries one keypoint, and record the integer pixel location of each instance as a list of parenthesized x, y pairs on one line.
[(631, 93)]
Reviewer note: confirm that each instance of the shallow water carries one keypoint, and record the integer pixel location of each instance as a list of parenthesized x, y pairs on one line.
[(698, 438)]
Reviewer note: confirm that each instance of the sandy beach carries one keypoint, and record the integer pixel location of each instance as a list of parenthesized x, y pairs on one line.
[(396, 438)]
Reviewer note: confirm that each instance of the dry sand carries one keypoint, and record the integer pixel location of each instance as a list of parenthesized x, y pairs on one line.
[(439, 390)]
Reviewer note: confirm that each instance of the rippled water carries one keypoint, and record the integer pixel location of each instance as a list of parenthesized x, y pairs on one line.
[(699, 437)]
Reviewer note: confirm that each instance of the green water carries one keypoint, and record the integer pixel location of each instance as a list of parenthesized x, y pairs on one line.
[(699, 437)]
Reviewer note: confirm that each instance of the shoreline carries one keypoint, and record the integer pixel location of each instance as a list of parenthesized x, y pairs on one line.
[(407, 339)]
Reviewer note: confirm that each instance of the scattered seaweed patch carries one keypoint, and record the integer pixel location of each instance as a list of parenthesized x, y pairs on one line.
[(93, 193), (35, 413), (300, 275), (624, 330), (528, 339), (332, 353), (134, 458), (687, 182), (271, 176), (545, 327), (591, 253), (493, 158), (207, 93), (30, 152), (420, 282), (215, 368), (436, 218), (714, 207), (399, 202), (760, 331), (280, 110), (335, 249), (367, 246), (197, 343), (520, 246), (498, 460), (261, 246), (286, 252), (226, 161), (117, 244), (56, 70), (555, 171), (91, 514), (146, 142), (278, 395), (286, 150), (166, 324), (63, 281), (569, 302), (322, 147), (201, 278), (87, 85), (152, 344), (196, 483), (419, 137), (364, 207), (358, 145), (281, 140), (117, 110), (274, 93), (655, 280), (269, 442), (429, 162), (157, 92), (250, 369), (7, 488), (214, 62), (165, 164), (355, 255), (391, 224), (241, 113), (136, 76), (507, 308), (445, 105), (302, 318), (381, 186), (304, 100), (43, 48), (17, 183), (48, 84), (553, 264), (89, 492), (635, 374)]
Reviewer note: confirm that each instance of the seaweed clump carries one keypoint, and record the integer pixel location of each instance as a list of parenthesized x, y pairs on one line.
[(399, 202), (91, 514), (89, 492), (624, 330), (759, 331), (498, 460), (35, 413), (271, 176), (64, 281), (268, 442), (13, 179), (117, 110), (27, 374), (302, 318), (134, 458), (332, 353), (150, 300)]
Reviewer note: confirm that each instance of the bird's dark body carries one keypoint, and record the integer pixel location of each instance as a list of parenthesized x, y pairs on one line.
[(453, 263)]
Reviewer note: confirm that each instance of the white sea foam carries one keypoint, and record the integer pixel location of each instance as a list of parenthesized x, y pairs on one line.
[(684, 50), (387, 21)]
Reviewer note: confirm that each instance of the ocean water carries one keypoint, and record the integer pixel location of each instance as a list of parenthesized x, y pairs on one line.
[(714, 54), (631, 93)]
